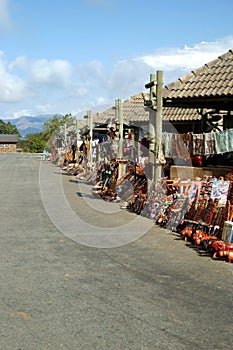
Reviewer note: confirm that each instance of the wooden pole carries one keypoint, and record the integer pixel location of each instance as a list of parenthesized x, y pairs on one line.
[(77, 130), (152, 121), (158, 125), (116, 111), (121, 127), (90, 121), (65, 136)]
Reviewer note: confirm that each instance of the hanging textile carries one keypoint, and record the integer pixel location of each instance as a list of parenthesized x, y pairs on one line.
[(183, 145), (167, 144), (179, 148), (187, 139), (221, 142), (198, 144), (209, 143), (229, 137)]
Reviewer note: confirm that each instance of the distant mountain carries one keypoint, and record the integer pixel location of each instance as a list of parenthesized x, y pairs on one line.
[(28, 131), (29, 125)]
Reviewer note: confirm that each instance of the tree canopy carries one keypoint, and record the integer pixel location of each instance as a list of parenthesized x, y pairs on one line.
[(52, 126), (33, 143), (37, 142), (8, 128)]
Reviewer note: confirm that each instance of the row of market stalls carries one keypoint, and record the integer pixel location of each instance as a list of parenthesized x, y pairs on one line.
[(195, 192)]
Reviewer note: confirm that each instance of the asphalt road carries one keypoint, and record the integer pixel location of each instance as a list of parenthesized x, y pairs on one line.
[(57, 293)]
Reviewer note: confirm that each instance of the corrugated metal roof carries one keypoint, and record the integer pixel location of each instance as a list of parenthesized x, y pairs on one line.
[(8, 138)]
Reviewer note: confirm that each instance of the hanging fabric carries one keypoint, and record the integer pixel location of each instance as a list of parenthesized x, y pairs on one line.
[(167, 144), (209, 143), (229, 137), (221, 142), (198, 144)]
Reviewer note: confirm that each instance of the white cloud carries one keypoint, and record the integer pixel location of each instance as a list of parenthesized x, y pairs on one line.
[(12, 88), (22, 112), (20, 62), (55, 72), (130, 76), (188, 57), (91, 71), (43, 108), (58, 87)]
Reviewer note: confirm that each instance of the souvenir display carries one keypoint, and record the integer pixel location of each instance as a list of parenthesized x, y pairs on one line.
[(200, 210)]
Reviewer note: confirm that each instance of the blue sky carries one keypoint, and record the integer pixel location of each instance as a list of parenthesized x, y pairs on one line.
[(67, 56)]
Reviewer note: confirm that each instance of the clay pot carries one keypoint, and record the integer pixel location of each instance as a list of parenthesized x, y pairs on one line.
[(197, 161)]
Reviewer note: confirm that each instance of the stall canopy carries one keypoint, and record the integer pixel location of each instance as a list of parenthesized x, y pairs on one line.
[(210, 86)]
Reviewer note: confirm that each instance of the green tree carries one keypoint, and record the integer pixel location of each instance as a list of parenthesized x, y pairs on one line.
[(8, 128), (24, 145), (52, 127), (33, 143), (37, 142)]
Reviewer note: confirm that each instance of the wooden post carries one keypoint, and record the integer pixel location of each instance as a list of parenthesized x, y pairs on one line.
[(77, 131), (158, 125), (119, 116), (116, 111), (65, 136), (152, 119), (90, 122), (121, 127), (155, 126)]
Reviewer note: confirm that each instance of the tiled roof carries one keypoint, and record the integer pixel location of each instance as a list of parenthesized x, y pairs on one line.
[(135, 111), (210, 86), (180, 114), (213, 81), (8, 138)]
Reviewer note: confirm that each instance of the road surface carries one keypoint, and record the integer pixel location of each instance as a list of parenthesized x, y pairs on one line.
[(154, 292)]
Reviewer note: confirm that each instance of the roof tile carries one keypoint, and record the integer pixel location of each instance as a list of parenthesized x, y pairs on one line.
[(214, 79), (208, 80), (9, 138)]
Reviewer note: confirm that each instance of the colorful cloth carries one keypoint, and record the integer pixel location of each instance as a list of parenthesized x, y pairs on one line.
[(221, 143), (179, 148), (209, 143), (187, 138), (229, 137), (220, 191), (198, 144), (182, 145)]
